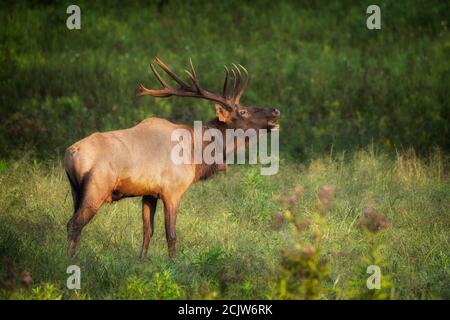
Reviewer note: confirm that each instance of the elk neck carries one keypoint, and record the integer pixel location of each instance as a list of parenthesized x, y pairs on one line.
[(204, 171)]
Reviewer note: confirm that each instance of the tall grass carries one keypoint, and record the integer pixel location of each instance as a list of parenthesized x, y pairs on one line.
[(227, 244)]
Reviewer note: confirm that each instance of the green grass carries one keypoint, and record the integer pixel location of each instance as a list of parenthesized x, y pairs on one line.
[(338, 85), (335, 82), (227, 246)]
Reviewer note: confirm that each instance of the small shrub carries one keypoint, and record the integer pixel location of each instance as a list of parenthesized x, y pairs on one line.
[(209, 261), (305, 265), (160, 286), (46, 291)]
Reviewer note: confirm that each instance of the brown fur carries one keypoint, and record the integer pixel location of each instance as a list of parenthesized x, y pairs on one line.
[(109, 166)]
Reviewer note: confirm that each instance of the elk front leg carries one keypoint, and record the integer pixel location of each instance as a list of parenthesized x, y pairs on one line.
[(148, 219), (170, 220)]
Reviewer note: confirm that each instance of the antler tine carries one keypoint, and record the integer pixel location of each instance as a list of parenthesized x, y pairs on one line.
[(247, 75), (237, 81), (143, 91), (193, 76), (160, 79), (244, 85), (163, 66), (166, 92), (194, 81), (225, 83), (192, 68)]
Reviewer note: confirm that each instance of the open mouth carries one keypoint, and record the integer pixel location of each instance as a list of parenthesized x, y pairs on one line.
[(272, 125)]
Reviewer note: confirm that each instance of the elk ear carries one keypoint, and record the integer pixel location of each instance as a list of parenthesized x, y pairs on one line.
[(222, 114)]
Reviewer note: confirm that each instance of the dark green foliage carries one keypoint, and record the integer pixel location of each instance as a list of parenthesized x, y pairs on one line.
[(336, 82)]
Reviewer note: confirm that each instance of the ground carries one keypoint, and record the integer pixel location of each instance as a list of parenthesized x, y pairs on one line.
[(228, 244)]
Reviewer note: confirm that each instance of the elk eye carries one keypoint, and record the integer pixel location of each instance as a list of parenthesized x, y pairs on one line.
[(243, 113)]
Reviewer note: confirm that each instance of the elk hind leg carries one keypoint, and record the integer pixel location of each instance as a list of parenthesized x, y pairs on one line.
[(148, 219), (90, 201), (76, 193)]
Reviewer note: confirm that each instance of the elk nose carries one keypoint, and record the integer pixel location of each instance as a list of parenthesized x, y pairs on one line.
[(276, 113)]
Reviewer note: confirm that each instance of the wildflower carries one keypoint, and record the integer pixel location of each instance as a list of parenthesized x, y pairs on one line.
[(288, 215), (278, 220), (326, 194), (307, 252), (373, 220), (298, 190), (302, 224), (26, 279), (368, 210), (292, 200)]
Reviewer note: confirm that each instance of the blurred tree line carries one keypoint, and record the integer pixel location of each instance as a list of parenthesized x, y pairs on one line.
[(337, 84)]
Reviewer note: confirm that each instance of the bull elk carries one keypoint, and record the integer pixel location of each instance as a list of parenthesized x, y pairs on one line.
[(109, 166)]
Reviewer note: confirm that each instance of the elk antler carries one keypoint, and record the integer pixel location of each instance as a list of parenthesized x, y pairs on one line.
[(230, 101)]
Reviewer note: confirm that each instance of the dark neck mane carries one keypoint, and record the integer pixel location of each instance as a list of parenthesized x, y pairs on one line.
[(204, 171)]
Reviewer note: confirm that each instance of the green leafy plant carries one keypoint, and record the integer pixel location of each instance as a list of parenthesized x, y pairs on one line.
[(305, 264), (46, 291), (371, 223), (159, 286)]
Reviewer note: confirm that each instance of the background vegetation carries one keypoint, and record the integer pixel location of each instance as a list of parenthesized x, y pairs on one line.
[(340, 88), (336, 82)]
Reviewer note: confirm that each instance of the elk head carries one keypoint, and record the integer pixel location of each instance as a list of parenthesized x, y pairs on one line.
[(229, 110)]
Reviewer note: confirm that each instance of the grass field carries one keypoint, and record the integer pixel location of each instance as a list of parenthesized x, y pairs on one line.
[(339, 86), (334, 81), (227, 244)]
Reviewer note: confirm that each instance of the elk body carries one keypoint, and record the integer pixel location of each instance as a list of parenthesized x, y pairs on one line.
[(109, 166)]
